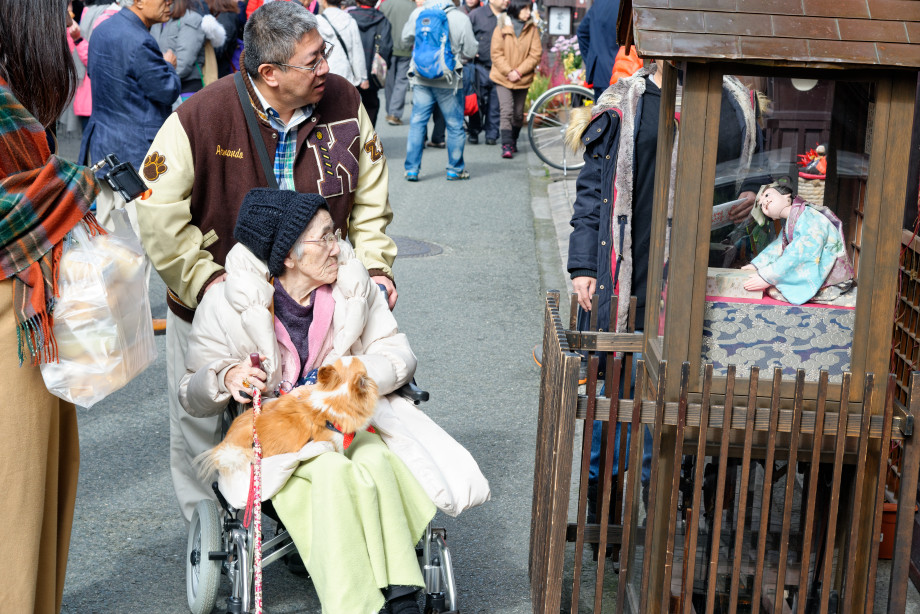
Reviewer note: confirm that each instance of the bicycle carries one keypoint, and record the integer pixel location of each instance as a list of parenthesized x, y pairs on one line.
[(547, 121)]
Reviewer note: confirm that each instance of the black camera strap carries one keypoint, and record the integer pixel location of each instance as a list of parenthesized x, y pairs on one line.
[(267, 167)]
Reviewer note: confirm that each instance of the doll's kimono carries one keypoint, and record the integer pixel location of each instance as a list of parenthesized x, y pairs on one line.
[(808, 262)]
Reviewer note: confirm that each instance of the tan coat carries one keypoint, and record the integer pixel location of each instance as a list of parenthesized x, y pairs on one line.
[(510, 52)]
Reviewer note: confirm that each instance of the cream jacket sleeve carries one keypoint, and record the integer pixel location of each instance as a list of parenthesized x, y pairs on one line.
[(173, 243), (371, 212), (365, 328)]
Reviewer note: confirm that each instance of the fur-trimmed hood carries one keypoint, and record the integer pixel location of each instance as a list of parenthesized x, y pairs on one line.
[(612, 97)]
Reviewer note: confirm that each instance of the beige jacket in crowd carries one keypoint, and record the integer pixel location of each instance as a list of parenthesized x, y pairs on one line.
[(509, 52)]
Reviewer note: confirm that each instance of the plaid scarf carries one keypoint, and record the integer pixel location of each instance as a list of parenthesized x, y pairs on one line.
[(42, 197)]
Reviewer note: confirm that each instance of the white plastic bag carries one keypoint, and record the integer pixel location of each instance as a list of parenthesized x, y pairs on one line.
[(102, 321), (444, 468)]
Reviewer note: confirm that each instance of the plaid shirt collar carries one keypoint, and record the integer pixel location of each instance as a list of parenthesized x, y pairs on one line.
[(287, 139)]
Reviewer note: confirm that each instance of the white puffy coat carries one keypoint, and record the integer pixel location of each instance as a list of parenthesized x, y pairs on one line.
[(235, 319)]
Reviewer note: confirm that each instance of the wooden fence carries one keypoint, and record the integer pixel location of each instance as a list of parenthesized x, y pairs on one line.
[(762, 513)]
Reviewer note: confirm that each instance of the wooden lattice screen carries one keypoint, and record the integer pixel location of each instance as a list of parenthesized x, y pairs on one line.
[(775, 489)]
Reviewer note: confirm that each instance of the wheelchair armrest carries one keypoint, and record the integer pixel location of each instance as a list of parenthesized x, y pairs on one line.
[(412, 392)]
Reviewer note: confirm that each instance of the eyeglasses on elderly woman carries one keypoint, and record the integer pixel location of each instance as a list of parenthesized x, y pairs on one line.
[(327, 240)]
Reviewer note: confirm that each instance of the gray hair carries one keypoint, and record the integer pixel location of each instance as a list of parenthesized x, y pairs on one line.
[(272, 33), (297, 250)]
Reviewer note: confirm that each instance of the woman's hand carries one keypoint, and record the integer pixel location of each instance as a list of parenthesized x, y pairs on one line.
[(243, 378), (584, 288), (74, 30), (749, 267), (365, 84), (755, 282), (170, 57), (514, 76), (741, 210)]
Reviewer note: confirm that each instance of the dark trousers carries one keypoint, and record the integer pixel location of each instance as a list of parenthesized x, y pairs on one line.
[(370, 98), (437, 132), (489, 110)]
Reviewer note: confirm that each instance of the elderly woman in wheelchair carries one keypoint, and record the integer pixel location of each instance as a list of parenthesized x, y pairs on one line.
[(296, 295)]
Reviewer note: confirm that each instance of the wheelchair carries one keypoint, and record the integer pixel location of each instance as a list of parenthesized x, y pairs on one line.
[(220, 545)]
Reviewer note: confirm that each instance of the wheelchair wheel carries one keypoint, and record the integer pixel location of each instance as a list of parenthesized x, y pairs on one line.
[(202, 575), (547, 121)]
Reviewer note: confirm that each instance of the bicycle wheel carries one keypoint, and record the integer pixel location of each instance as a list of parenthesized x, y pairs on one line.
[(547, 121)]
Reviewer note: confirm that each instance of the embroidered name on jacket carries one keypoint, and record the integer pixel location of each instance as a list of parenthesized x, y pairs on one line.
[(230, 153), (331, 145)]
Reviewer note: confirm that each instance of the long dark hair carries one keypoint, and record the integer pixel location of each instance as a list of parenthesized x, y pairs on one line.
[(34, 57)]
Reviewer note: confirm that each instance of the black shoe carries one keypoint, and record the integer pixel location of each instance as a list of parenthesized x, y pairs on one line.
[(436, 145), (473, 139), (405, 603), (491, 141), (295, 564)]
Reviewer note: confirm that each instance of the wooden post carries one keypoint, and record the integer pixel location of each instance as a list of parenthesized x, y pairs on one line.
[(910, 462)]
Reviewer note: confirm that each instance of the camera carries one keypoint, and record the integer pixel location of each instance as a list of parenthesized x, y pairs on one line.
[(123, 178)]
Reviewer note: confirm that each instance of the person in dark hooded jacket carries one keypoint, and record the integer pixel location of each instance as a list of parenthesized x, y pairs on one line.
[(376, 38)]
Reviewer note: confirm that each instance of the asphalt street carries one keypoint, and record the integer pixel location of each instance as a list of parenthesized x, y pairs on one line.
[(475, 259)]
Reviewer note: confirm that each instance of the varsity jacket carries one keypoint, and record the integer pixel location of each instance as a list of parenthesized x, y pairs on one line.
[(203, 161)]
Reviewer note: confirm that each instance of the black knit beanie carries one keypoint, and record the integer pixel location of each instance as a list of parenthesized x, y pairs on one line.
[(270, 221)]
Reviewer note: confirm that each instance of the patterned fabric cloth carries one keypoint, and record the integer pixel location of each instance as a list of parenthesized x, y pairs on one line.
[(809, 255), (767, 336), (41, 198)]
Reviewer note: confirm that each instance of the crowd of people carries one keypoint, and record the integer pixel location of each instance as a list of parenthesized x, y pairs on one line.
[(158, 53)]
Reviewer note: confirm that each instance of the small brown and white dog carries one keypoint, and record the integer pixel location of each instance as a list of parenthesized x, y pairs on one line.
[(342, 401)]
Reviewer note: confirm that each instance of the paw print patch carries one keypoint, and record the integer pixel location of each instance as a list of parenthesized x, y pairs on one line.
[(154, 166)]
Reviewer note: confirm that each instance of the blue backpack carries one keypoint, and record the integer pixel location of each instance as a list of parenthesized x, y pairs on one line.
[(432, 54)]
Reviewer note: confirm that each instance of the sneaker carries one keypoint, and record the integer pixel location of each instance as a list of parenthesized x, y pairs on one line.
[(393, 120), (436, 145), (491, 141), (507, 152), (452, 176), (411, 175), (473, 139)]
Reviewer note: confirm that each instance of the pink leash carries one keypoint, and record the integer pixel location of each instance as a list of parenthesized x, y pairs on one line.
[(253, 512)]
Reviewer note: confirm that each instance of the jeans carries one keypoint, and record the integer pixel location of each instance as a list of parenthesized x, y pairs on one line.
[(451, 103), (596, 441)]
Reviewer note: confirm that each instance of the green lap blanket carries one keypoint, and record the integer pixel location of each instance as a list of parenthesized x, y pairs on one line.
[(355, 519)]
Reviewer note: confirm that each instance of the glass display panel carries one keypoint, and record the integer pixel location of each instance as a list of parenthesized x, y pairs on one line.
[(788, 197)]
